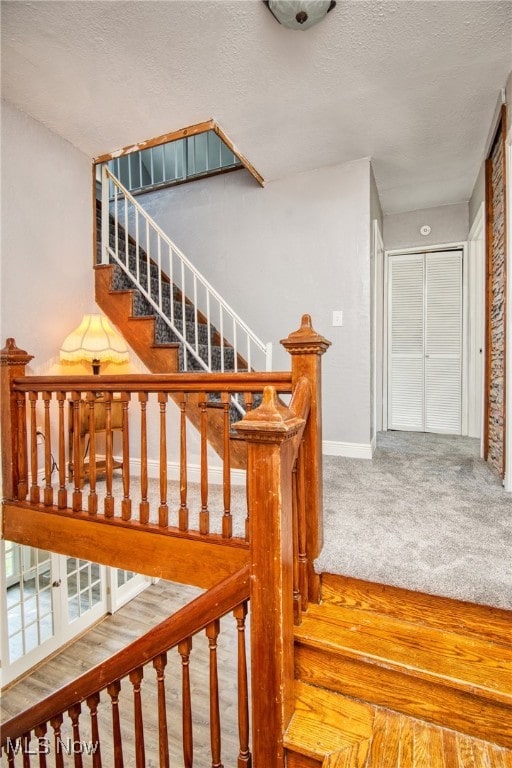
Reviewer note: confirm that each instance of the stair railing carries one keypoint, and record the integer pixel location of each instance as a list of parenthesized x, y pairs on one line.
[(151, 246), (55, 727)]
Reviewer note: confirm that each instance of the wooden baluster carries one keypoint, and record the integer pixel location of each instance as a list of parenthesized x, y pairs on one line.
[(302, 529), (248, 400), (92, 501), (12, 366), (74, 713), (144, 504), (212, 633), (40, 734), (76, 452), (295, 527), (163, 740), (48, 461), (56, 724), (9, 751), (62, 495), (113, 691), (25, 740), (109, 458), (92, 703), (184, 649), (204, 515), (163, 509), (244, 756), (183, 512), (22, 447), (227, 520), (136, 680), (126, 504), (34, 487)]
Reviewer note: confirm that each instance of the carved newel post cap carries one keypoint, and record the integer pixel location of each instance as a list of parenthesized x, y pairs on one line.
[(11, 355), (306, 341), (272, 417)]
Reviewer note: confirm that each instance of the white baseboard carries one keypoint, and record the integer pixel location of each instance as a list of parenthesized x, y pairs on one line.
[(348, 450), (215, 474)]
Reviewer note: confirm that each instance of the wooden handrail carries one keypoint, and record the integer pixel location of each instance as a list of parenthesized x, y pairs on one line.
[(154, 382), (189, 620)]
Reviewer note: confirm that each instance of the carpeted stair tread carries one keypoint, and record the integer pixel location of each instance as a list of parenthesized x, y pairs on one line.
[(458, 661), (445, 613)]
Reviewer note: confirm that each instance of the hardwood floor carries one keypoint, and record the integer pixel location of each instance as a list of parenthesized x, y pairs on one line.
[(110, 635)]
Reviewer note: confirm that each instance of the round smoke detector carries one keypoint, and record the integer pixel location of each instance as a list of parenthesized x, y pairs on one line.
[(425, 230)]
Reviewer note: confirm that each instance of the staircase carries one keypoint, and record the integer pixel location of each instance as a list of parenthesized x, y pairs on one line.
[(387, 677)]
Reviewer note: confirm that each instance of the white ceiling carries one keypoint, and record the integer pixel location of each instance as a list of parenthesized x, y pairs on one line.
[(412, 84)]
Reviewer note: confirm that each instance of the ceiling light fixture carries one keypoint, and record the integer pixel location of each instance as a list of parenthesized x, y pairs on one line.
[(299, 14)]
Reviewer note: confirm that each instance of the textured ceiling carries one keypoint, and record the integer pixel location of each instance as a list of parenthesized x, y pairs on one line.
[(411, 84)]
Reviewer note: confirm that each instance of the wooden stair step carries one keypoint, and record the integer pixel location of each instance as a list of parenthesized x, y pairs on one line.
[(333, 731), (444, 613), (449, 678)]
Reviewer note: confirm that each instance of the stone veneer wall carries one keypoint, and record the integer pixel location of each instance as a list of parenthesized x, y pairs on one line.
[(496, 309)]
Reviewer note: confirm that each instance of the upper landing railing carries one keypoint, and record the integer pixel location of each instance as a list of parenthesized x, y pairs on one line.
[(282, 489), (176, 290)]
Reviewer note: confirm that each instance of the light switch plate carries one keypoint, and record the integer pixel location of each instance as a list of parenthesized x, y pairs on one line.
[(337, 317)]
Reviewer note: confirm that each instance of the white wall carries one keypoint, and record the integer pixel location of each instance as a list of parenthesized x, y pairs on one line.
[(301, 244), (449, 224), (47, 277)]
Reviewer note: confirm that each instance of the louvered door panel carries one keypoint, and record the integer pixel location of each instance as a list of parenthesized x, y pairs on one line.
[(443, 341), (406, 353)]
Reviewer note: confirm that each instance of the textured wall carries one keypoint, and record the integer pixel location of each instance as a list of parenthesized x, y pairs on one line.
[(497, 314), (448, 223), (47, 280), (300, 244)]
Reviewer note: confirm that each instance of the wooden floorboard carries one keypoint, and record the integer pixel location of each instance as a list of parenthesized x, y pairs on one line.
[(113, 633)]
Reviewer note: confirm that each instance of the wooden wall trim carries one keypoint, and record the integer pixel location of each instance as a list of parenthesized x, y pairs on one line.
[(160, 554), (191, 130)]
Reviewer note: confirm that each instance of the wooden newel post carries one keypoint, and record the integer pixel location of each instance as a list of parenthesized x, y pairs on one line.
[(13, 362), (306, 347), (268, 431)]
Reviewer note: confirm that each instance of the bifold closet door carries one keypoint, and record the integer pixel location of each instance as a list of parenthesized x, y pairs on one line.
[(425, 342)]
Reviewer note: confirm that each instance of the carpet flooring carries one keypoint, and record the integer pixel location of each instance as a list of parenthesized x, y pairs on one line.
[(425, 514)]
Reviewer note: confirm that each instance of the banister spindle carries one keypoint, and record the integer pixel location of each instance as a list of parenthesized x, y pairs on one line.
[(212, 633), (302, 529), (144, 503), (183, 511), (136, 680), (22, 447), (48, 461), (40, 734), (113, 691), (34, 486), (109, 458), (295, 526), (163, 509), (93, 496), (74, 714), (184, 649), (25, 740), (126, 504), (244, 756), (204, 515), (77, 457), (56, 724), (62, 496), (163, 740), (92, 703), (227, 520)]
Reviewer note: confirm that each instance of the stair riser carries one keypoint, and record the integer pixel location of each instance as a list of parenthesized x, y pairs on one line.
[(434, 702), (296, 760)]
